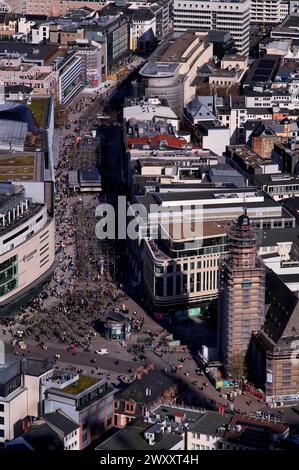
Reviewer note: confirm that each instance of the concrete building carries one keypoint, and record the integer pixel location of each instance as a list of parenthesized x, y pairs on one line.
[(288, 29), (180, 271), (27, 248), (204, 15), (172, 68), (93, 57), (268, 12), (241, 296), (86, 400), (276, 369), (72, 76), (211, 135), (20, 383), (52, 431), (142, 29), (40, 34), (150, 389), (52, 7)]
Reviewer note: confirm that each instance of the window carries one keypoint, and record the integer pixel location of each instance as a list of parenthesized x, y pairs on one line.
[(1, 420), (1, 432), (246, 284), (1, 407)]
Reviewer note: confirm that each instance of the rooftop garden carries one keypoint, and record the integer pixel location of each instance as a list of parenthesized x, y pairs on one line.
[(84, 382), (40, 108)]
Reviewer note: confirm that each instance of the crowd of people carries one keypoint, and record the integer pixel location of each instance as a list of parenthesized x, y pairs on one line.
[(56, 314)]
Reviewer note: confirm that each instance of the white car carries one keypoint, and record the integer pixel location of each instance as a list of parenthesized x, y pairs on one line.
[(102, 352)]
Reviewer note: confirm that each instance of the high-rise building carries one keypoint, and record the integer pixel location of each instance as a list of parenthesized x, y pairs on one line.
[(204, 15), (241, 293), (269, 12)]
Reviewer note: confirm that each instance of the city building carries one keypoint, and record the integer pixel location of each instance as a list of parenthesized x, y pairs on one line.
[(52, 7), (27, 247), (52, 431), (86, 400), (140, 435), (142, 30), (204, 15), (269, 12), (27, 157), (181, 270), (248, 433), (72, 76), (207, 431), (172, 67), (288, 29), (276, 369), (20, 385), (92, 54), (241, 295), (150, 389)]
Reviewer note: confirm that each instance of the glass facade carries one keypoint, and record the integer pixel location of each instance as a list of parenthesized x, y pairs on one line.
[(8, 275)]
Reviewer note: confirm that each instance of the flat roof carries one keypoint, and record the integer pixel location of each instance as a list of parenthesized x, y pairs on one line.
[(132, 438), (23, 166), (179, 48), (148, 112), (159, 69), (82, 384), (200, 229), (35, 52), (13, 130), (40, 110)]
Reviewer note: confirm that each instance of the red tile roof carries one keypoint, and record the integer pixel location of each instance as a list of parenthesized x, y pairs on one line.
[(176, 142)]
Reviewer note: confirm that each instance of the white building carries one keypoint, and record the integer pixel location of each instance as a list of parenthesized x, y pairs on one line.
[(171, 70), (27, 247), (142, 24), (20, 397), (40, 34), (269, 11), (204, 15), (149, 110)]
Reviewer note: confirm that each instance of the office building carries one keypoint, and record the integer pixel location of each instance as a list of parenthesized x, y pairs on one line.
[(268, 12), (205, 15), (20, 387), (85, 399), (274, 349), (172, 67), (27, 247), (241, 294)]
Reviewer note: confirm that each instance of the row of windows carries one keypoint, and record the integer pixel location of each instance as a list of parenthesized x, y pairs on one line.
[(207, 263), (181, 284), (71, 446), (8, 287)]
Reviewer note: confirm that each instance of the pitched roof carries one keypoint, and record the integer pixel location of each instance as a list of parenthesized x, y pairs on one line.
[(171, 141), (154, 380), (282, 318), (59, 420)]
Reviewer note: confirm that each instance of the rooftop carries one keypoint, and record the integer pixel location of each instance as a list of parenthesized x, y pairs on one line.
[(15, 131), (159, 69), (40, 110), (60, 421), (175, 231), (211, 423), (84, 382), (132, 438)]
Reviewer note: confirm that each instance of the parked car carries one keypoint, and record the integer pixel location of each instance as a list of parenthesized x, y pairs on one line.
[(102, 352)]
